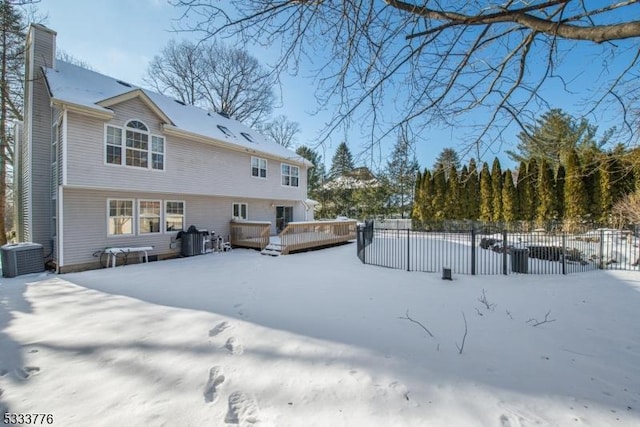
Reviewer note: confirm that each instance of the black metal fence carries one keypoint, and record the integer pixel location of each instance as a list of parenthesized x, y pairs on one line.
[(498, 252)]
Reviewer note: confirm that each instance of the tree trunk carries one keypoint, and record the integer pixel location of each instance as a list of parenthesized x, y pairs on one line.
[(3, 142)]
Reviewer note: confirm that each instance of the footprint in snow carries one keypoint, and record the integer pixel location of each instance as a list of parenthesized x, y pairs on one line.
[(27, 372), (243, 409), (219, 328), (234, 346), (216, 378)]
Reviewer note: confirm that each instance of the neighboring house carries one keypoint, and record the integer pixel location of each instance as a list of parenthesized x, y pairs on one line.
[(360, 177), (104, 163)]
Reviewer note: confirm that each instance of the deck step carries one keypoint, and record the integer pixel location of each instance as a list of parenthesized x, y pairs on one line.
[(272, 249)]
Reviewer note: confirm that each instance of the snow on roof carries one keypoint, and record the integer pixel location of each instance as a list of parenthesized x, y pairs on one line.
[(73, 84)]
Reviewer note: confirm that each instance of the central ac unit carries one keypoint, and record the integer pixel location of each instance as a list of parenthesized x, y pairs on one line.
[(21, 258)]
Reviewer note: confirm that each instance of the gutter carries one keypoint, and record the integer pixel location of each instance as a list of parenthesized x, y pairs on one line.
[(103, 114)]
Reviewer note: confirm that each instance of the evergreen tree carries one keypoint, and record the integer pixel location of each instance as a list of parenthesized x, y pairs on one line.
[(522, 190), (439, 191), (575, 196), (368, 201), (342, 162), (315, 174), (545, 193), (448, 157), (509, 198), (472, 192), (401, 171), (532, 190), (418, 201), (559, 190), (554, 133), (622, 176), (462, 191), (428, 193), (605, 186), (590, 163), (486, 194), (496, 190), (452, 201)]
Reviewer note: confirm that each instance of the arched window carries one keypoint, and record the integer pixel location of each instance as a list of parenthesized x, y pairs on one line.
[(141, 149), (137, 144), (136, 124)]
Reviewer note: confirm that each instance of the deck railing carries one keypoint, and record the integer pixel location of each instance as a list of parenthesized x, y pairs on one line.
[(298, 236), (250, 234)]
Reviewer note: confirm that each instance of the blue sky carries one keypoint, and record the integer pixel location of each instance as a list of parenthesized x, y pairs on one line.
[(120, 37)]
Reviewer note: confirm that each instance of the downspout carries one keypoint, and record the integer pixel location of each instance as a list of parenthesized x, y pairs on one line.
[(306, 210), (60, 214)]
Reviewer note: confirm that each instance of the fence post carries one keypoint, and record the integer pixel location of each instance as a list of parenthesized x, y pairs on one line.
[(601, 250), (408, 250), (364, 243), (564, 253), (473, 251), (504, 251)]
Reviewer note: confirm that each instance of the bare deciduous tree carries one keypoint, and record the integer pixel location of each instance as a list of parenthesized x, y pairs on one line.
[(627, 210), (65, 56), (177, 71), (12, 35), (212, 75), (281, 130), (437, 61)]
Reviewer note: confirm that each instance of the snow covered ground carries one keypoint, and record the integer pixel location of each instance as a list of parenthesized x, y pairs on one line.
[(318, 339)]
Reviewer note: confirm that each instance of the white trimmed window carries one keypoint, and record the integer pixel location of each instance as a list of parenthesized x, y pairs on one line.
[(290, 175), (141, 149), (174, 215), (239, 211), (149, 216), (137, 144), (258, 167), (114, 145), (157, 153), (120, 217)]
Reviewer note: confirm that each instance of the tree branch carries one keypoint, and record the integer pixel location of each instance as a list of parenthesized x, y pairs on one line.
[(407, 317), (464, 337), (596, 33), (535, 322)]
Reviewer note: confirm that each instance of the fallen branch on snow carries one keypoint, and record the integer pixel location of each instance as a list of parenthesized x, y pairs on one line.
[(464, 337), (535, 322), (483, 300), (407, 317)]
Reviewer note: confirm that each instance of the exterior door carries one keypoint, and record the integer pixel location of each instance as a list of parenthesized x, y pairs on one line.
[(284, 215)]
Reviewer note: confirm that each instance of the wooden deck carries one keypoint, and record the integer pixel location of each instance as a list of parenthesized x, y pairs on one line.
[(299, 236), (296, 236), (250, 234)]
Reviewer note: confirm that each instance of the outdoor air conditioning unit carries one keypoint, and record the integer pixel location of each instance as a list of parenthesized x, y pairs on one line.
[(21, 258)]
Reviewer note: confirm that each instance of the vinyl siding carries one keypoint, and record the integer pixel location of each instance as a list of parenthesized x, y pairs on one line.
[(85, 220), (190, 167), (36, 156)]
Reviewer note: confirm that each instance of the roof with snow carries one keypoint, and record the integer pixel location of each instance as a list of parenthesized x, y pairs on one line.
[(88, 89)]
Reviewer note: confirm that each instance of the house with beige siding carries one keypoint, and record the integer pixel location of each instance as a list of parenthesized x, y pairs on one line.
[(104, 163)]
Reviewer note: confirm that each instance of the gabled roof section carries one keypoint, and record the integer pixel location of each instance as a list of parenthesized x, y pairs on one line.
[(71, 85), (136, 93)]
